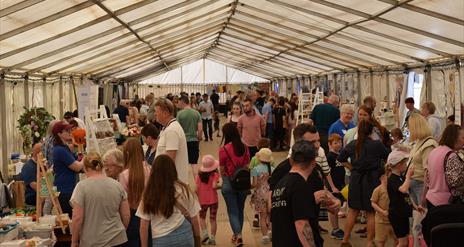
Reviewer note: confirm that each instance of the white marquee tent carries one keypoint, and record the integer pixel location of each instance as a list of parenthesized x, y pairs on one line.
[(354, 47)]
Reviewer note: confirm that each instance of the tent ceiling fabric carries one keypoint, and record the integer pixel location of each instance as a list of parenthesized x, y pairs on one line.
[(136, 39)]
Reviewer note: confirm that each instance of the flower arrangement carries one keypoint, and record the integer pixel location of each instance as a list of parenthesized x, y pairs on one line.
[(32, 125)]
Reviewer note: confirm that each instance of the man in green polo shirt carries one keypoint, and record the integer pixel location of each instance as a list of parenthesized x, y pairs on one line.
[(190, 120)]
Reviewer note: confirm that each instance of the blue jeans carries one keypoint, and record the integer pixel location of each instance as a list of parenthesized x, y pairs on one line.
[(235, 202), (270, 131), (133, 231), (181, 237), (415, 191)]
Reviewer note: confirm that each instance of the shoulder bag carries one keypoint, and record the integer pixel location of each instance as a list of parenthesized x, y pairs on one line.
[(240, 180)]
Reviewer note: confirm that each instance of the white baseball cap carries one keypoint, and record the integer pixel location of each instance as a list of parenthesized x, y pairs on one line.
[(396, 157)]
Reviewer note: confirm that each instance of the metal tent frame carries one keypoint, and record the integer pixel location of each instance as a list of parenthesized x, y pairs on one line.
[(272, 38)]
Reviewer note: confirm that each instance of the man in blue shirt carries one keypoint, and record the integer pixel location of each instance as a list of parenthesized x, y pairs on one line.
[(342, 125), (29, 176), (268, 118)]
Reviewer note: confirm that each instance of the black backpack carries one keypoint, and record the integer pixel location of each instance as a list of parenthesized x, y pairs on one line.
[(241, 179)]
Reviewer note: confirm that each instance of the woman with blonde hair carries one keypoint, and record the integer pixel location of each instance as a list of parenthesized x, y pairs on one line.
[(421, 135), (133, 179), (113, 163), (89, 211)]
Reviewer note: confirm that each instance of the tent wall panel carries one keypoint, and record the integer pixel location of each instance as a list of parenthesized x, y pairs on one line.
[(53, 106), (349, 93), (365, 84), (450, 90), (380, 88), (338, 86), (36, 94), (67, 95), (395, 86), (15, 99), (404, 94), (439, 87)]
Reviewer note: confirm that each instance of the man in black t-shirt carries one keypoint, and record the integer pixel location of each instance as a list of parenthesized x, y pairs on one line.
[(294, 222), (314, 182), (215, 100)]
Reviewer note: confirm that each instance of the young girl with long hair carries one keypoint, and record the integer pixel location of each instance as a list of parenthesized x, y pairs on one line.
[(170, 207), (133, 179)]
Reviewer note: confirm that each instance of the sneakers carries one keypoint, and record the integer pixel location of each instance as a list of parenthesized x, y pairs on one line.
[(265, 240), (361, 230), (362, 219), (323, 230), (256, 222), (238, 242), (337, 234), (204, 239), (210, 242)]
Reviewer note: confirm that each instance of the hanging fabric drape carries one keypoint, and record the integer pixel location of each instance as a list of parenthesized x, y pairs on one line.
[(14, 91), (365, 84)]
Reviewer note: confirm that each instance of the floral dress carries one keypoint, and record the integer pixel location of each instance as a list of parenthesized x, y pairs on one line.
[(260, 195)]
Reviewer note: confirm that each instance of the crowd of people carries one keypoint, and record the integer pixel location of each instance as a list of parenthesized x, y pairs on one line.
[(137, 197)]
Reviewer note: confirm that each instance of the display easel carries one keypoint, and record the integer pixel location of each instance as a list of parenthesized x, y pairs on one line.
[(304, 106), (42, 173), (318, 98), (97, 122)]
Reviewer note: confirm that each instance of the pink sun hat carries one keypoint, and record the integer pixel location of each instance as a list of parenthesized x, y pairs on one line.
[(208, 163)]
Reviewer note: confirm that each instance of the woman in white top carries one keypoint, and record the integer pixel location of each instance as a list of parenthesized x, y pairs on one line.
[(170, 206), (95, 200)]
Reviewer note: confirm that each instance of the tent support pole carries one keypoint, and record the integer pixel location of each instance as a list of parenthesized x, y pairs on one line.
[(44, 93), (428, 82), (387, 76), (358, 86), (371, 82), (61, 96), (4, 150), (203, 71), (460, 99), (75, 93), (26, 91)]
